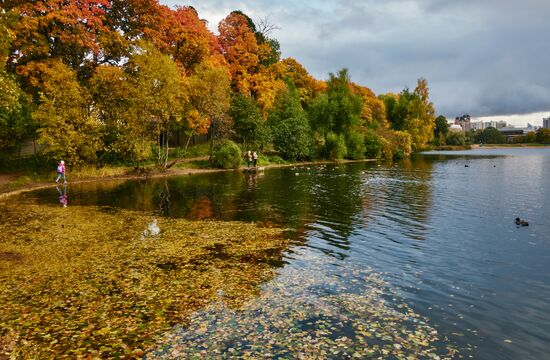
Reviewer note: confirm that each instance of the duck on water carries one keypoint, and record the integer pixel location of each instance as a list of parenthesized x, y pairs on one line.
[(520, 222)]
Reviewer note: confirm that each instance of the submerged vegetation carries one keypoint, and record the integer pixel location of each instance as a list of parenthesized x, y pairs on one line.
[(107, 282)]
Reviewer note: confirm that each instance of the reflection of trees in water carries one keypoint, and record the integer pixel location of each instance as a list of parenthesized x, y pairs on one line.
[(324, 201), (164, 198), (201, 209)]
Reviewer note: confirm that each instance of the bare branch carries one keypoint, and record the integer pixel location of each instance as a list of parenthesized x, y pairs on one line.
[(264, 26)]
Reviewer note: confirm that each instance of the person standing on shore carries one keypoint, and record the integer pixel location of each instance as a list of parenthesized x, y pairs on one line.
[(248, 158), (255, 157), (61, 172)]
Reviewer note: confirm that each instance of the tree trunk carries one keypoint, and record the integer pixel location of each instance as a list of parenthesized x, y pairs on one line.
[(188, 141)]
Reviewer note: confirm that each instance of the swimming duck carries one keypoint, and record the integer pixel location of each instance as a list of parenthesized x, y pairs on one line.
[(520, 222)]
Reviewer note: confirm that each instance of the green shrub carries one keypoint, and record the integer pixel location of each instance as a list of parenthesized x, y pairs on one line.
[(292, 138), (335, 146), (456, 138), (356, 146), (227, 155), (373, 146)]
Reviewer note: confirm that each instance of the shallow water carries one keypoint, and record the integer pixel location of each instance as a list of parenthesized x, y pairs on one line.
[(438, 230)]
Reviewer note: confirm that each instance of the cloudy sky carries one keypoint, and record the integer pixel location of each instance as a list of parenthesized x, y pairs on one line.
[(481, 57)]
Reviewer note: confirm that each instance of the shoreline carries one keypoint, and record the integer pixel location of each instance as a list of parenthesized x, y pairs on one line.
[(5, 192)]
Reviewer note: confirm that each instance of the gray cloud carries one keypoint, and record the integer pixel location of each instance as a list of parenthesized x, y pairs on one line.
[(483, 57)]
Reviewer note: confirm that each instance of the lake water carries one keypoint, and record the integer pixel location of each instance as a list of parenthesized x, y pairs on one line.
[(436, 230)]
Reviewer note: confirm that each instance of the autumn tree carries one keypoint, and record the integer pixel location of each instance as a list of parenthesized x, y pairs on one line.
[(191, 42), (208, 91), (239, 46), (420, 122), (374, 110), (306, 85), (124, 138), (159, 97), (13, 122), (412, 112), (66, 30), (69, 129)]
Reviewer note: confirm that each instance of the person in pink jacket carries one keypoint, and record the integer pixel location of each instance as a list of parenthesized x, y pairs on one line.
[(61, 172)]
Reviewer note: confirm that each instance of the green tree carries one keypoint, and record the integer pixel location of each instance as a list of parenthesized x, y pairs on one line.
[(15, 120), (336, 112), (344, 107), (373, 145), (441, 129), (355, 144), (289, 125), (227, 155), (490, 135), (248, 122), (456, 138), (335, 146), (543, 136)]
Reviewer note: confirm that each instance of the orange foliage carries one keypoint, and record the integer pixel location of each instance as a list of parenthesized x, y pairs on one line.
[(265, 87), (374, 109), (66, 29), (240, 48), (307, 86), (202, 209)]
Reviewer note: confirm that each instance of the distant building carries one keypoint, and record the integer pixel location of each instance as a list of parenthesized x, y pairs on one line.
[(455, 128), (496, 124), (546, 123), (511, 133), (464, 122), (477, 125)]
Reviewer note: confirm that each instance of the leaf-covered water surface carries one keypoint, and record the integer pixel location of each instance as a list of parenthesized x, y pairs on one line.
[(311, 312), (102, 282), (87, 282)]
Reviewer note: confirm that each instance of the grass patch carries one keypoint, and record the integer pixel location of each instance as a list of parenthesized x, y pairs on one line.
[(86, 172), (453, 147), (195, 164)]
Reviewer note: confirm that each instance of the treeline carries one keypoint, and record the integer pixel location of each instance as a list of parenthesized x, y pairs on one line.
[(108, 81)]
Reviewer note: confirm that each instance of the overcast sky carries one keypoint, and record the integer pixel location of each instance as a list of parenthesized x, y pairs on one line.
[(481, 57)]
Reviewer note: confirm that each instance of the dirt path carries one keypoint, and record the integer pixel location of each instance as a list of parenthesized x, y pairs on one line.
[(5, 179)]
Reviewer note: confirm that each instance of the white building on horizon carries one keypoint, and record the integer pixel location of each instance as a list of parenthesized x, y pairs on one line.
[(546, 123)]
